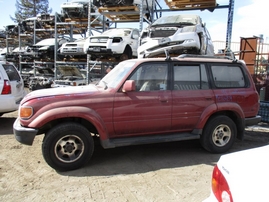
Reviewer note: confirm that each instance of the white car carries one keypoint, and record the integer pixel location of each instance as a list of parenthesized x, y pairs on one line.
[(15, 53), (241, 177), (73, 48), (75, 9), (179, 34), (119, 43), (11, 88), (45, 49)]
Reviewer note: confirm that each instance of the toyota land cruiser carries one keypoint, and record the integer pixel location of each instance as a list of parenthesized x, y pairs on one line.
[(142, 101)]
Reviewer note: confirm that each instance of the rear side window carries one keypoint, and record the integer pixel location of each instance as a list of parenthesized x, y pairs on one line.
[(12, 73), (190, 77), (225, 76)]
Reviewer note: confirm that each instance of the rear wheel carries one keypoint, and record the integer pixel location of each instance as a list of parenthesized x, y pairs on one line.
[(219, 134), (67, 146)]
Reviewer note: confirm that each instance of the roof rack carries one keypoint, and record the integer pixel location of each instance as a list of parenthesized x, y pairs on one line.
[(206, 56)]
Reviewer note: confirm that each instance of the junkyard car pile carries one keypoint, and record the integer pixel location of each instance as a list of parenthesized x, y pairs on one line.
[(70, 76), (40, 77), (178, 34)]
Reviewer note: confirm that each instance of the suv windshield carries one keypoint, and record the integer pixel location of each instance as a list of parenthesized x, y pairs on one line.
[(117, 32), (176, 19), (116, 75)]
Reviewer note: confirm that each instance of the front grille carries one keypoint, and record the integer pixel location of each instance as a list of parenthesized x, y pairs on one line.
[(71, 45), (162, 33), (73, 50), (99, 40)]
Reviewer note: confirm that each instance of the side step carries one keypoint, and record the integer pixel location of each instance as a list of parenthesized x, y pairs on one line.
[(128, 141)]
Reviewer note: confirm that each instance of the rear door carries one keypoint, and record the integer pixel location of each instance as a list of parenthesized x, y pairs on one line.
[(16, 82), (191, 95), (231, 85)]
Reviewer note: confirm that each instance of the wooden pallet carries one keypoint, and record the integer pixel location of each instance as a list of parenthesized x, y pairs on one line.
[(74, 60), (76, 19), (83, 22), (190, 4), (119, 16)]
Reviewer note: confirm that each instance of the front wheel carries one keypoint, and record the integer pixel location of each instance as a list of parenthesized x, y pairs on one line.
[(127, 54), (219, 134), (67, 146)]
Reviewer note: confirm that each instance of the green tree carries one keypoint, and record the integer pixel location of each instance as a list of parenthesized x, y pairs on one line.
[(30, 8)]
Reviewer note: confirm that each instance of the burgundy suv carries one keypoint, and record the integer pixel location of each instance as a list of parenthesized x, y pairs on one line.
[(142, 101)]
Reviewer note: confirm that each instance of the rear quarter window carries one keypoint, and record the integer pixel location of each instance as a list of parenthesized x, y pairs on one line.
[(228, 76), (12, 73)]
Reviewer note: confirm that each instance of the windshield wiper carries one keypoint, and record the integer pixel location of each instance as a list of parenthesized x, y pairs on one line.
[(173, 24), (105, 84)]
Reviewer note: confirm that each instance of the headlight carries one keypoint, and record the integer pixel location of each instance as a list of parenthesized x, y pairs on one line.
[(189, 41), (26, 112)]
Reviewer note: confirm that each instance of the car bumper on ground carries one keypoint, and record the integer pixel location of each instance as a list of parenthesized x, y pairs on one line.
[(22, 134), (252, 121)]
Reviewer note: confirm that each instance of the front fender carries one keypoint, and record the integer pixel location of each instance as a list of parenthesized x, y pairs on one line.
[(71, 111)]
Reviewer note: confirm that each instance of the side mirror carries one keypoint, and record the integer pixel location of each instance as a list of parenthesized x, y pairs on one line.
[(135, 36), (128, 86)]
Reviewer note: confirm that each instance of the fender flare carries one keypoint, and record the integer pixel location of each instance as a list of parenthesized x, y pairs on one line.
[(225, 106), (71, 111)]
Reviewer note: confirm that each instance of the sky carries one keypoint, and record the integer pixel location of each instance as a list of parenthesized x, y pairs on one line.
[(249, 18)]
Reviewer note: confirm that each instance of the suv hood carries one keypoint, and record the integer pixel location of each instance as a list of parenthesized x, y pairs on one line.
[(44, 71), (69, 71), (68, 91)]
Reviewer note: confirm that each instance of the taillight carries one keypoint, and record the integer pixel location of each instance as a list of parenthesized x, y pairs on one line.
[(7, 88), (220, 186)]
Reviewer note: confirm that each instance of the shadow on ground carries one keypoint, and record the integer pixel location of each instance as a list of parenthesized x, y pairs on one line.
[(6, 125), (147, 158)]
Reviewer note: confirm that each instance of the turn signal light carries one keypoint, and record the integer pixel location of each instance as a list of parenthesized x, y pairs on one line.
[(26, 112)]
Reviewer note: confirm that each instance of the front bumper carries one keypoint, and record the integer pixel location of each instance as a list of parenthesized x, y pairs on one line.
[(100, 51), (156, 49), (22, 134)]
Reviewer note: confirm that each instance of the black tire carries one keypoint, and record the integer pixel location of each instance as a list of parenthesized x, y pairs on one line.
[(219, 134), (67, 146), (127, 54)]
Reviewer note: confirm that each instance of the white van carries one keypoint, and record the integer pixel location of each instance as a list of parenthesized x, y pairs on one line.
[(11, 88)]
